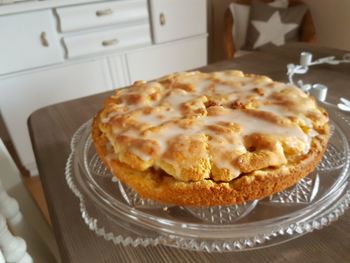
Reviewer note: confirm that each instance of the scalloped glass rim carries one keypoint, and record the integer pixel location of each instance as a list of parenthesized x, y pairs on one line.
[(209, 237)]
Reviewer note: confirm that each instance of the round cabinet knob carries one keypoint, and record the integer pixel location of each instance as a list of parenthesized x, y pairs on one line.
[(162, 19)]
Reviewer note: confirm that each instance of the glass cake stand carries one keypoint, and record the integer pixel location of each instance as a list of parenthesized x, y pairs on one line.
[(117, 213)]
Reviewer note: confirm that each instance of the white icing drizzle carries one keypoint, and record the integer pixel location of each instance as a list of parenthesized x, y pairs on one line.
[(283, 111), (169, 132), (249, 124), (201, 86), (224, 89), (177, 97), (109, 117), (154, 120), (275, 109), (225, 146), (143, 156)]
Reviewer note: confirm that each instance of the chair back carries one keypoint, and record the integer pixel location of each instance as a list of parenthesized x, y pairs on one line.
[(23, 217)]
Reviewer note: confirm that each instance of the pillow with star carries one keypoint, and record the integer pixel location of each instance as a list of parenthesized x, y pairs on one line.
[(270, 26)]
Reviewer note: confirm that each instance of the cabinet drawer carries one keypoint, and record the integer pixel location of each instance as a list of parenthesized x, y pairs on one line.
[(93, 15), (28, 40), (116, 39), (167, 58), (175, 19)]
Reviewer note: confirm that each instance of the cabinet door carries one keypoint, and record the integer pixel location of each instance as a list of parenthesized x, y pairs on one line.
[(21, 95), (176, 19), (154, 62), (28, 40)]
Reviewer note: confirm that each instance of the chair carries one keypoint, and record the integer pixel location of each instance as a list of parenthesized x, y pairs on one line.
[(307, 31), (24, 233)]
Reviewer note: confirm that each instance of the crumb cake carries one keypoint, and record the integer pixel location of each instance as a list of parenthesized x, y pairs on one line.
[(207, 139)]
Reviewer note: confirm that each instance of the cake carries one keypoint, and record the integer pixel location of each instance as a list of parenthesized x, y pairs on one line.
[(205, 139)]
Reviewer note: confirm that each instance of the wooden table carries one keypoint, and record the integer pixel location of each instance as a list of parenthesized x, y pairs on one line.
[(51, 130)]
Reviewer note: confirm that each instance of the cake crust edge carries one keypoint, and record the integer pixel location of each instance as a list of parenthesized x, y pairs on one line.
[(158, 186)]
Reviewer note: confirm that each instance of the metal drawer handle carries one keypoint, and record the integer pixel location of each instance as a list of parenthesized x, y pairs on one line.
[(110, 42), (105, 12), (162, 19), (43, 39)]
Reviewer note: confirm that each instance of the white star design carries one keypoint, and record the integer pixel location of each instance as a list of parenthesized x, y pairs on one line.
[(272, 30)]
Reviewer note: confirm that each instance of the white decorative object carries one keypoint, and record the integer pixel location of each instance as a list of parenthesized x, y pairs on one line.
[(13, 248), (273, 30), (9, 207), (344, 104), (305, 59), (317, 90)]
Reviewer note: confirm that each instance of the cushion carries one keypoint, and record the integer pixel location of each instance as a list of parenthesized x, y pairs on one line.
[(240, 53), (240, 14), (270, 26), (279, 3)]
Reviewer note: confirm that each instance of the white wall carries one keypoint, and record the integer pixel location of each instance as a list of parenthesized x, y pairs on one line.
[(332, 20)]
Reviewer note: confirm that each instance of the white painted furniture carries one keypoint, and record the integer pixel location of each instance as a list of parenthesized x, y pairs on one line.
[(79, 17), (28, 40), (14, 248), (22, 226), (174, 19), (51, 51), (166, 58)]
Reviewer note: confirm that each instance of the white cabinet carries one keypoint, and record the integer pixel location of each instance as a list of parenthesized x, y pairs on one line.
[(154, 62), (28, 40), (175, 19), (22, 95)]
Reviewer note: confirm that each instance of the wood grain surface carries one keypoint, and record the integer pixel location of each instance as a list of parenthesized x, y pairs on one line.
[(51, 129)]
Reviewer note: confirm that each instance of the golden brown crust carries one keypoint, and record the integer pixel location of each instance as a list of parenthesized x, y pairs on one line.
[(237, 138), (156, 185)]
